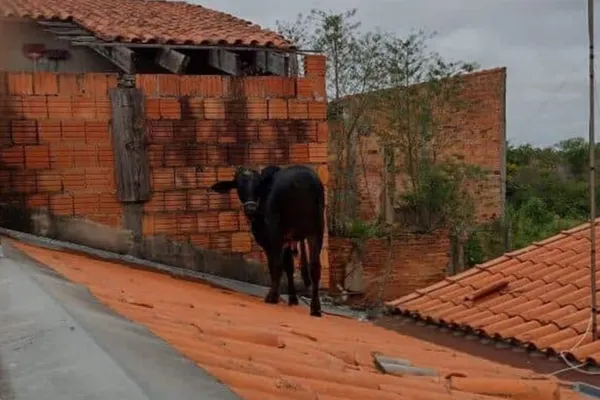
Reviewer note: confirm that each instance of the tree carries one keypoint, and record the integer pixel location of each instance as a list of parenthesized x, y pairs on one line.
[(354, 60)]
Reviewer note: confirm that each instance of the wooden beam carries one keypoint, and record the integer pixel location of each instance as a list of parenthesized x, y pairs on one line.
[(225, 61), (132, 170), (122, 57), (172, 60), (58, 24), (68, 32)]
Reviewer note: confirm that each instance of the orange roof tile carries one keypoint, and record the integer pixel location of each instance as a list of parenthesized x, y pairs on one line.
[(148, 21), (537, 297), (274, 352)]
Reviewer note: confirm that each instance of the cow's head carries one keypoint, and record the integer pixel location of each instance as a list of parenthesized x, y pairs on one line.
[(251, 186)]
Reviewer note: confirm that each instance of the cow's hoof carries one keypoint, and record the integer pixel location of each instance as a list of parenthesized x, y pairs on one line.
[(293, 300), (316, 313), (272, 298)]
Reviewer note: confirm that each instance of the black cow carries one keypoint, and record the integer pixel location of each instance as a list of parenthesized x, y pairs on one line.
[(284, 207)]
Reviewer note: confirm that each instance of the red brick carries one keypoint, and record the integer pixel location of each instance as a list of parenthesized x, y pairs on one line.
[(61, 204), (256, 108), (254, 86), (184, 131), (186, 223), (45, 83), (267, 132), (185, 178), (244, 223), (86, 203), (304, 88), (24, 132), (165, 224), (49, 131), (84, 108), (156, 155), (206, 177), (208, 222), (319, 88), (73, 180), (299, 153), (176, 155), (148, 83), (322, 131), (206, 132), (170, 108), (220, 241), (100, 178), (192, 107), (148, 225), (37, 157), (35, 107), (281, 155), (297, 109), (216, 155), (4, 181), (3, 83), (237, 153), (85, 155), (227, 131), (214, 108), (317, 152), (49, 181), (105, 155), (20, 83), (200, 240), (197, 154), (61, 155), (23, 181), (241, 242), (60, 107), (160, 131), (218, 201), (236, 109), (12, 106), (5, 137), (277, 109), (156, 202), (277, 86), (175, 200), (73, 131), (317, 110), (163, 178), (103, 108), (306, 131), (69, 84), (314, 65), (168, 85), (152, 108), (197, 200), (247, 131), (228, 221), (109, 204), (95, 84), (260, 153), (97, 132), (38, 201), (13, 157)]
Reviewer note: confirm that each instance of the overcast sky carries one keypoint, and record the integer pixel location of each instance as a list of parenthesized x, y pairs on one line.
[(543, 43)]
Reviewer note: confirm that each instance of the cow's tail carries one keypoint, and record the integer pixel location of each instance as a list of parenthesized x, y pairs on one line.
[(304, 265)]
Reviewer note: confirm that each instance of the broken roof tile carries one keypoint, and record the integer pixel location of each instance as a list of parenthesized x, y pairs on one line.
[(545, 305), (274, 352), (149, 21)]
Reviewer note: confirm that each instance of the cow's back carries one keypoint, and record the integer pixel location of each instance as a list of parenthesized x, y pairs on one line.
[(297, 200)]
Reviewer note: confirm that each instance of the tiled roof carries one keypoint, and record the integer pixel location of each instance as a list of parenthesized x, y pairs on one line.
[(537, 297), (267, 352), (148, 21)]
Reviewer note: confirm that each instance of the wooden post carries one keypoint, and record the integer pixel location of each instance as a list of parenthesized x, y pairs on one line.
[(128, 138), (132, 170)]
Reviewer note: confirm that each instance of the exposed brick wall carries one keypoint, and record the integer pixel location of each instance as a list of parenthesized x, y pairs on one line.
[(56, 149), (476, 135), (57, 153), (419, 260)]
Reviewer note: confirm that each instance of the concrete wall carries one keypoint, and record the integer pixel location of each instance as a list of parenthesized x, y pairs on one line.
[(15, 34)]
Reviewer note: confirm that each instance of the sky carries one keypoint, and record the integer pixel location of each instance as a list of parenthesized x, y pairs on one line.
[(543, 44)]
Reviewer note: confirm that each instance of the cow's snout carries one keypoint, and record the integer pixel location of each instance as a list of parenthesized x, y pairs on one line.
[(250, 208)]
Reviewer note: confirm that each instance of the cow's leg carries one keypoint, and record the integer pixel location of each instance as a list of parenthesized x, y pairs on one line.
[(315, 243), (288, 265), (275, 270)]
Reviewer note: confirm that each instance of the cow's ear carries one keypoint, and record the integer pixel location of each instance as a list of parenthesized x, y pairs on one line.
[(223, 186)]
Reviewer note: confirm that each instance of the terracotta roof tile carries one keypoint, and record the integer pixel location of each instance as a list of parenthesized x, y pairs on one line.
[(268, 352), (148, 21), (545, 305)]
